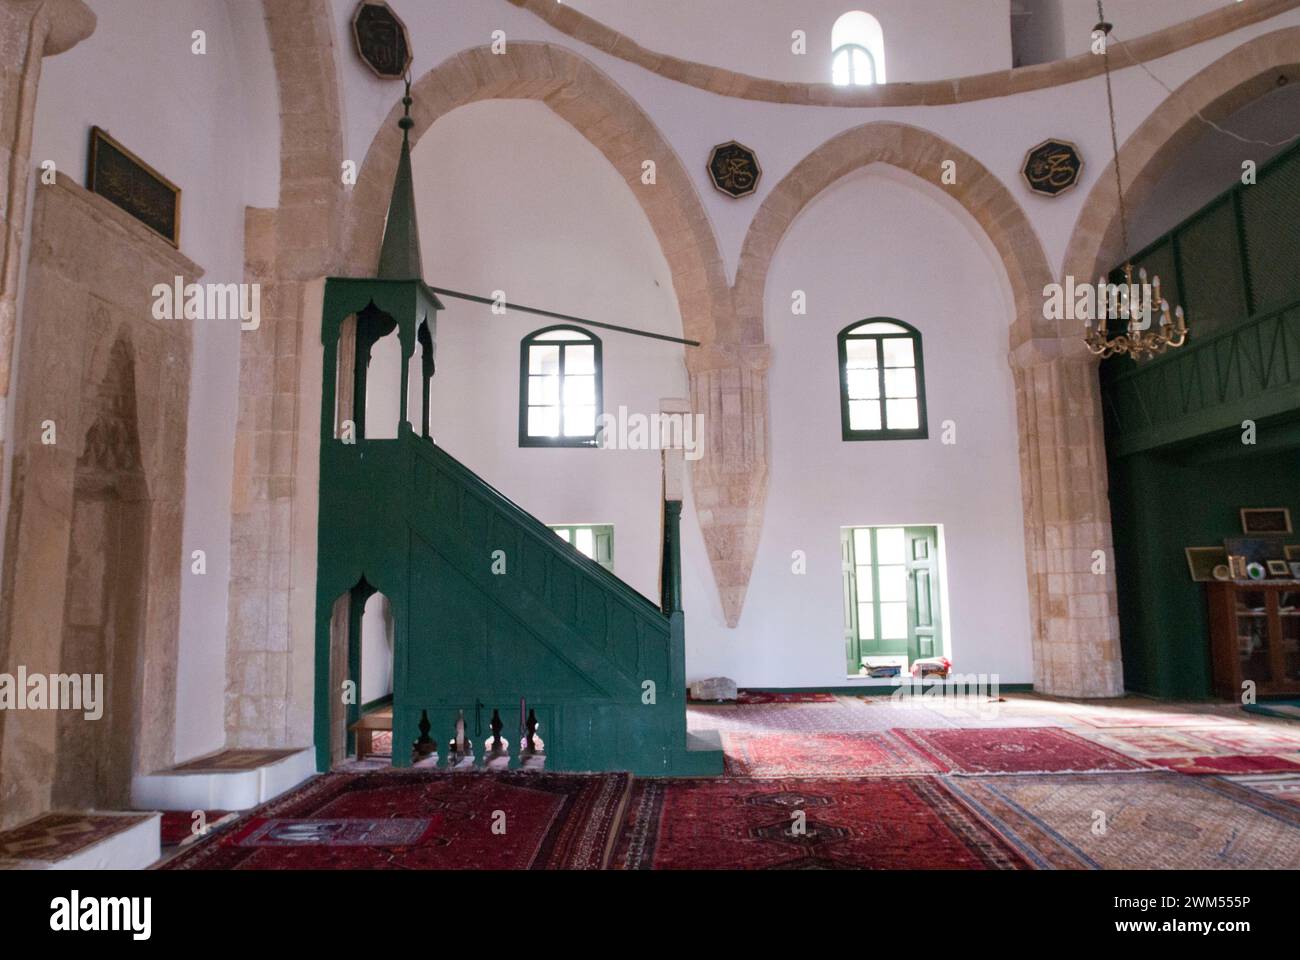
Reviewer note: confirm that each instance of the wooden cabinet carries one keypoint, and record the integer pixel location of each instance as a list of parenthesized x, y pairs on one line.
[(1255, 635)]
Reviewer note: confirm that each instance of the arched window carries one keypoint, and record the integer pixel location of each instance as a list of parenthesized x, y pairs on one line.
[(882, 381), (559, 388), (858, 50)]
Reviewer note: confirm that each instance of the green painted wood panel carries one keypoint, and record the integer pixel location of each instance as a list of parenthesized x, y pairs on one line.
[(489, 605), (1179, 471)]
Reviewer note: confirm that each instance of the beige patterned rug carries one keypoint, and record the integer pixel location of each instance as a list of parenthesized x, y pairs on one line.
[(1117, 822)]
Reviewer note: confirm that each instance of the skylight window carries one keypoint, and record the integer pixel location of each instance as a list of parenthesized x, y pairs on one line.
[(858, 50)]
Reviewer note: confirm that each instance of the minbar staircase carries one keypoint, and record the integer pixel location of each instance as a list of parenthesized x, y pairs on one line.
[(491, 609)]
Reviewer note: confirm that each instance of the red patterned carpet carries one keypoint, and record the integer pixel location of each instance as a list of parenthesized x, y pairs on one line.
[(425, 821), (181, 827), (905, 823), (821, 755), (838, 784), (1228, 765), (1016, 750)]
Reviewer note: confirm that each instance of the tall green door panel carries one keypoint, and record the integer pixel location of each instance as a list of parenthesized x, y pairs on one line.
[(923, 593), (851, 654)]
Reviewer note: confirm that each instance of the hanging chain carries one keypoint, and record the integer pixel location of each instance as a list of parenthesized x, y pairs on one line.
[(1114, 133)]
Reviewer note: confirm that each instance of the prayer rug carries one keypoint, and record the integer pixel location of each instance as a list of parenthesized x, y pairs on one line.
[(335, 821), (1146, 744), (846, 714), (1119, 717), (56, 836), (908, 823), (820, 755), (1158, 821), (277, 832), (1228, 764), (1279, 786), (1253, 738), (1143, 743), (1016, 750), (797, 696)]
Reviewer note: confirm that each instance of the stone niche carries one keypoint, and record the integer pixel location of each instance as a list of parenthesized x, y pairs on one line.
[(94, 554)]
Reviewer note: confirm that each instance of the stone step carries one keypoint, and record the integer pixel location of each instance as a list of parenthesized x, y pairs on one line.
[(83, 840), (226, 780)]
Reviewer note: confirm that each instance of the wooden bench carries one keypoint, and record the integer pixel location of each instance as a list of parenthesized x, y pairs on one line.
[(367, 727)]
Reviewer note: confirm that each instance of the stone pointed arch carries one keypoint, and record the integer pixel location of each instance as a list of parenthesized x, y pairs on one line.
[(919, 152), (1239, 77), (607, 117), (1075, 635), (728, 377)]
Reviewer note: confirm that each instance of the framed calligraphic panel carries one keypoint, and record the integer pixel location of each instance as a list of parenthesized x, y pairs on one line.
[(382, 40), (1052, 167), (118, 175), (734, 169), (1266, 520)]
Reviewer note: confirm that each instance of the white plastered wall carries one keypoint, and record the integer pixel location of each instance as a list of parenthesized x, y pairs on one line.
[(879, 242)]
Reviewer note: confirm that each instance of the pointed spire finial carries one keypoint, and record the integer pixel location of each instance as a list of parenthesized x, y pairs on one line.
[(399, 257), (406, 123)]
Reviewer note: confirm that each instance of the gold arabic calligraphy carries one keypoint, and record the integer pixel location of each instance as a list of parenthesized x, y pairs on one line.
[(1057, 169)]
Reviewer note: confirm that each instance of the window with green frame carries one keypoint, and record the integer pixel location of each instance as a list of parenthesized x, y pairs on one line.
[(560, 388), (882, 381), (591, 540)]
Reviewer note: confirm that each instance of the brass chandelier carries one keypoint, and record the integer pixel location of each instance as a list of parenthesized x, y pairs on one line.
[(1129, 303), (1125, 302)]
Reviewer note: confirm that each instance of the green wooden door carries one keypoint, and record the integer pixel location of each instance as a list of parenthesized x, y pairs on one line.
[(891, 593), (924, 637)]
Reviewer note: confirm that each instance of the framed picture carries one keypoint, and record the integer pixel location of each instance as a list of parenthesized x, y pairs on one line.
[(1295, 569), (119, 176), (1279, 568), (1256, 549), (1265, 520), (1291, 551), (1201, 561)]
